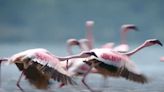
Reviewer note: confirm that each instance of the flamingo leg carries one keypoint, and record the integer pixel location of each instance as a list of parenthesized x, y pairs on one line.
[(83, 79), (0, 72), (1, 59), (18, 85), (104, 82), (67, 65)]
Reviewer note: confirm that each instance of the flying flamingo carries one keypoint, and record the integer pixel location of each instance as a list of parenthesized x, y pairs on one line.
[(123, 47), (39, 66), (112, 63)]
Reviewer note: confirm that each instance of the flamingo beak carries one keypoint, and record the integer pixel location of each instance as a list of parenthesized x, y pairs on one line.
[(92, 53), (158, 42), (134, 28)]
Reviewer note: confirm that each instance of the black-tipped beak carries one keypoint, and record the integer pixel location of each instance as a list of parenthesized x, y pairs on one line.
[(158, 42), (92, 53), (134, 28)]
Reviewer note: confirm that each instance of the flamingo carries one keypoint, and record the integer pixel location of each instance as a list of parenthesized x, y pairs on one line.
[(123, 47), (39, 66), (77, 68), (162, 59), (70, 43), (87, 42), (89, 33), (113, 63)]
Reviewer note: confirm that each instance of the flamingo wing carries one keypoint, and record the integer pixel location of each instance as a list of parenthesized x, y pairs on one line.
[(127, 71), (115, 64), (41, 67)]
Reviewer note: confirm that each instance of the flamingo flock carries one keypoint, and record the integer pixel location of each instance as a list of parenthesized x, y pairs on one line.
[(40, 66)]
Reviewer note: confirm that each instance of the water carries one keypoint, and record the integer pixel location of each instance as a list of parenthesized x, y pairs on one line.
[(147, 60)]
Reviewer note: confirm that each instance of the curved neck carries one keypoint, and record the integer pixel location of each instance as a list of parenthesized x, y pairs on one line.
[(84, 46), (70, 57), (69, 50), (123, 36), (136, 50)]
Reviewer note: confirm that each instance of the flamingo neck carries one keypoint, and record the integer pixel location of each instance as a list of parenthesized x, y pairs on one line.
[(136, 50), (69, 50), (123, 36), (84, 46), (70, 57), (89, 36)]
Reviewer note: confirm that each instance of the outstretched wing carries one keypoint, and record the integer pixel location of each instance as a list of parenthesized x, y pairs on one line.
[(130, 72), (126, 69), (50, 66), (41, 66), (57, 73)]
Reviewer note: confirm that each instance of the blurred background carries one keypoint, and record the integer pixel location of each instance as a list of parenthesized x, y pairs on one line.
[(26, 24), (54, 21)]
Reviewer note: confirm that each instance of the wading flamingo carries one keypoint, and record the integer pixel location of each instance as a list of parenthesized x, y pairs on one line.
[(113, 63), (89, 33), (123, 47), (87, 41), (39, 66), (77, 68), (162, 59)]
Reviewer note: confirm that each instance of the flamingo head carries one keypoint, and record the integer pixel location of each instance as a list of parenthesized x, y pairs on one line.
[(72, 42), (84, 43), (89, 23), (126, 27), (151, 42), (88, 54)]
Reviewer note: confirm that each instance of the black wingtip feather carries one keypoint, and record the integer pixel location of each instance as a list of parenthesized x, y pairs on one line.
[(139, 78)]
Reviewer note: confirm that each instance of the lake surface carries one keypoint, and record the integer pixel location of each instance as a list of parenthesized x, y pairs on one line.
[(147, 60)]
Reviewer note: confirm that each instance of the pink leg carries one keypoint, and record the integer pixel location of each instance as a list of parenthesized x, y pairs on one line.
[(104, 81), (1, 60), (67, 65), (0, 72), (19, 81)]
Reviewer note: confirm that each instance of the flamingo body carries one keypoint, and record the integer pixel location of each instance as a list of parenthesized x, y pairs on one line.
[(112, 63), (39, 66)]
